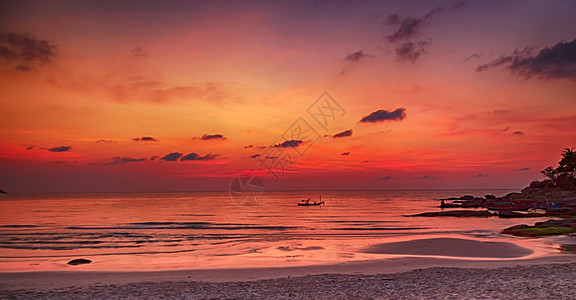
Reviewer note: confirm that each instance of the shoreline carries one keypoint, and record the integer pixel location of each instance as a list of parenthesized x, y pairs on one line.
[(61, 279), (405, 278)]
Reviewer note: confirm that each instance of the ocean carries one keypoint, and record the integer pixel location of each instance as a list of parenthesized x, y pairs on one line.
[(202, 230)]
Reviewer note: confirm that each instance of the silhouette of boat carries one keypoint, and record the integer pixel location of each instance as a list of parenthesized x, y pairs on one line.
[(307, 202)]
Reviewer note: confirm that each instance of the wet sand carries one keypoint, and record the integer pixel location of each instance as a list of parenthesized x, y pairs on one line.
[(451, 247)]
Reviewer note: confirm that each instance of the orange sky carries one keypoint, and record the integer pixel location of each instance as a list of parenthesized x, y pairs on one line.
[(487, 89)]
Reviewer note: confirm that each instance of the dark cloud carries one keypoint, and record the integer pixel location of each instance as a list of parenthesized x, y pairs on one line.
[(345, 153), (207, 137), (60, 149), (138, 52), (558, 61), (408, 33), (357, 56), (145, 139), (385, 178), (29, 147), (174, 156), (288, 144), (123, 160), (457, 5), (504, 60), (195, 156), (107, 141), (472, 56), (24, 52), (408, 27), (384, 115), (255, 155), (479, 175), (518, 133), (522, 169), (428, 177), (501, 111), (411, 51), (343, 133)]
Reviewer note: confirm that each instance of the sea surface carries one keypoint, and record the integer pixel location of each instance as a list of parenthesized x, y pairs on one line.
[(199, 230)]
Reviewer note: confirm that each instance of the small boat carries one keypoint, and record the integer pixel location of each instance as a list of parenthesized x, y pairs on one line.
[(310, 204), (307, 202)]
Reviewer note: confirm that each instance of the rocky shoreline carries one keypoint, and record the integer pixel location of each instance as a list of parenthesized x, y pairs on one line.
[(536, 201)]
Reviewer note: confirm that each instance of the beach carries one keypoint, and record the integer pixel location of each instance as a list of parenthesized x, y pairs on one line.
[(437, 276), (518, 280)]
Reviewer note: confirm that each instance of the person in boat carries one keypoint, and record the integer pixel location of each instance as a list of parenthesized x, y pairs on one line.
[(442, 204)]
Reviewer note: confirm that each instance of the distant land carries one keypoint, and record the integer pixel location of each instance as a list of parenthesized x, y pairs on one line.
[(3, 192)]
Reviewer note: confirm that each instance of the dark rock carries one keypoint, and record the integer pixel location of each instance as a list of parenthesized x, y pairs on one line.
[(565, 222), (451, 199), (550, 227), (457, 213), (472, 203), (79, 261), (467, 197), (3, 192), (489, 196), (511, 195), (561, 211), (449, 205), (514, 214)]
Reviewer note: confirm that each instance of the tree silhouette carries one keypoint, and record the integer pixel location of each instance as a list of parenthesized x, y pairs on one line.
[(566, 170), (568, 162)]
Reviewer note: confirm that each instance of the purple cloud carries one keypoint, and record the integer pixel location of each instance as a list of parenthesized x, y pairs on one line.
[(385, 115)]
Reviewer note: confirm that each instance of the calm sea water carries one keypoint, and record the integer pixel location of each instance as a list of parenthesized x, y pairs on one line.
[(154, 231)]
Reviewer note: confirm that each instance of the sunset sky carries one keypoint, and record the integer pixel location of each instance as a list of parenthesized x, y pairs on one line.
[(185, 95)]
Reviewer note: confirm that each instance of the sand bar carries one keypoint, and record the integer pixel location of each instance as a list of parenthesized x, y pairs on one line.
[(451, 247)]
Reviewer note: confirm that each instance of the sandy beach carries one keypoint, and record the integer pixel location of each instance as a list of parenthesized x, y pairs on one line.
[(542, 279), (406, 277)]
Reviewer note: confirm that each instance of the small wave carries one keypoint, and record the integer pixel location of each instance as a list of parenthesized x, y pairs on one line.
[(33, 247), (102, 254), (358, 222), (182, 225), (380, 228)]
